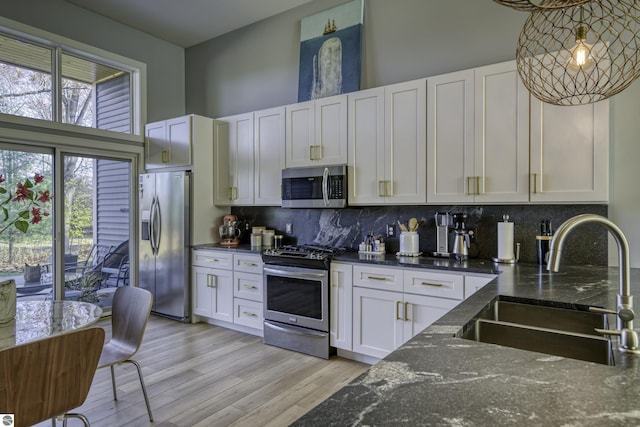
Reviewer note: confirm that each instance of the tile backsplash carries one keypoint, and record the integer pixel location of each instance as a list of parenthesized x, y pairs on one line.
[(586, 245)]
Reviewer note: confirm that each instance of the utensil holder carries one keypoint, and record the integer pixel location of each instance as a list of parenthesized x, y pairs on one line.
[(409, 242)]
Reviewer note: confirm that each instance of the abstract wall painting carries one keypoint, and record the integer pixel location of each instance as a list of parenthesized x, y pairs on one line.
[(331, 51)]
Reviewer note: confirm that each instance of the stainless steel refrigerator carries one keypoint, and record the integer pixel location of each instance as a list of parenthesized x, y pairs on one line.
[(165, 241)]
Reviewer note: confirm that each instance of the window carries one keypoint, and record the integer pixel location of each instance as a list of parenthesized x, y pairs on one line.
[(88, 91)]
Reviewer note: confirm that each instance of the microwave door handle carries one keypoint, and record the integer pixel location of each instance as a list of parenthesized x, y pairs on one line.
[(325, 187)]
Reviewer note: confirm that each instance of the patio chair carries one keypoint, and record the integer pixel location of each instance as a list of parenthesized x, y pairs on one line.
[(48, 378), (129, 315)]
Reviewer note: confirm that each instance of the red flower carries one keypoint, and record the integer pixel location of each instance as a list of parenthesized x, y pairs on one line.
[(2, 179), (45, 196), (38, 178), (35, 215), (22, 193)]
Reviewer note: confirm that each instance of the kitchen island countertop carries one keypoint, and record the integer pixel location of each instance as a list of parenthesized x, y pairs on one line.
[(437, 378)]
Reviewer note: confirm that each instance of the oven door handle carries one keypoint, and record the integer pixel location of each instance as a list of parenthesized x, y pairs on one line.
[(325, 187), (293, 274), (295, 330)]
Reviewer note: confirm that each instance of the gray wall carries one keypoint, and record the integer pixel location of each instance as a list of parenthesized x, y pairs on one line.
[(257, 66), (165, 61)]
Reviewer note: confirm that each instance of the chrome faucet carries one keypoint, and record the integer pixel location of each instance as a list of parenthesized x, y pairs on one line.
[(628, 338)]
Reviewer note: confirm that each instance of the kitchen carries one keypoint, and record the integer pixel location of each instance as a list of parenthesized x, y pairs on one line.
[(218, 81)]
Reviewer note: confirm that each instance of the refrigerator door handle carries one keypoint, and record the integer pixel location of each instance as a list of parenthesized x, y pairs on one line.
[(158, 226), (152, 226)]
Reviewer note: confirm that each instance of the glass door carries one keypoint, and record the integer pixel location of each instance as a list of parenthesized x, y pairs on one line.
[(96, 227), (26, 221)]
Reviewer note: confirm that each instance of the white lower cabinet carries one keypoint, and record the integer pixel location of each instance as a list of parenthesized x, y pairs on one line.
[(228, 287), (213, 293), (391, 305)]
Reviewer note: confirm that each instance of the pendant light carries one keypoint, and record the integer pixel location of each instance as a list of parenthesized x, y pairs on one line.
[(582, 54), (532, 5)]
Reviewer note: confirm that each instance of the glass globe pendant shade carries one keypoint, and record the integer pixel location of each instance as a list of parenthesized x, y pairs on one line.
[(582, 54), (533, 5)]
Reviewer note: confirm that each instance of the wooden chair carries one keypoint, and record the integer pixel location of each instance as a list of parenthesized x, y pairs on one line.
[(47, 378), (129, 315)]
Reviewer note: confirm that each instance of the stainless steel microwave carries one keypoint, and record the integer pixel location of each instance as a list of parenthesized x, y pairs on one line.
[(315, 187)]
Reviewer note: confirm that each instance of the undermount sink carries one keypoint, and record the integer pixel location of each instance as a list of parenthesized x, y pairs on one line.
[(559, 329)]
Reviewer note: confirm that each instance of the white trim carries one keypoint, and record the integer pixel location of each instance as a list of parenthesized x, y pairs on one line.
[(137, 69)]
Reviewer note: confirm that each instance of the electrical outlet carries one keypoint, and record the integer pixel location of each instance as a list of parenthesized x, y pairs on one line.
[(391, 230), (289, 228)]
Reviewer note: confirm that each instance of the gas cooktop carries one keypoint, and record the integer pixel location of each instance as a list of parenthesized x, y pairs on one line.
[(314, 256)]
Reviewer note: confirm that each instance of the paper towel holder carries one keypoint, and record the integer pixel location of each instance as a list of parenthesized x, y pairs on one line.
[(513, 259)]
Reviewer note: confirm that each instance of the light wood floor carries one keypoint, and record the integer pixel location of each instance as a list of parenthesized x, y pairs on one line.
[(204, 375)]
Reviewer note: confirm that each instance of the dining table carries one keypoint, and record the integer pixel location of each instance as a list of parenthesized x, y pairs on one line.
[(40, 319)]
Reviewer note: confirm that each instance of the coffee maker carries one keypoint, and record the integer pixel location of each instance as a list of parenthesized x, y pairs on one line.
[(443, 222), (230, 231), (461, 240)]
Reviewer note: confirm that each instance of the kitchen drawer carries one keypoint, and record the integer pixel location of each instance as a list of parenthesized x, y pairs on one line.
[(214, 259), (384, 278), (247, 285), (430, 283), (247, 263), (247, 313)]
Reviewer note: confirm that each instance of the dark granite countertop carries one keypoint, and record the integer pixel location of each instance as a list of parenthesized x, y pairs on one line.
[(439, 379)]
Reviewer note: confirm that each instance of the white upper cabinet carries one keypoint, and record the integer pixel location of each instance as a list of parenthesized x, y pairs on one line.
[(569, 152), (387, 145), (269, 126), (168, 143), (478, 140), (233, 160), (316, 132)]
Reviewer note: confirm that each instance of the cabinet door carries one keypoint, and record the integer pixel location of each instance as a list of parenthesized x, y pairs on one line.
[(330, 127), (221, 161), (341, 306), (233, 155), (269, 156), (450, 145), (179, 136), (202, 291), (299, 134), (501, 142), (421, 311), (377, 321), (405, 137), (221, 282), (366, 147), (156, 144), (569, 152)]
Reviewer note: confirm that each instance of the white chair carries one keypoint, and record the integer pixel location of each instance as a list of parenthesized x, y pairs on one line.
[(129, 315)]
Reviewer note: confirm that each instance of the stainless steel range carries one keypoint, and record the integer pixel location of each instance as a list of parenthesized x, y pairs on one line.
[(296, 307)]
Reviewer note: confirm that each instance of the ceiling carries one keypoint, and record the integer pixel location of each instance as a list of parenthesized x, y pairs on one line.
[(187, 22)]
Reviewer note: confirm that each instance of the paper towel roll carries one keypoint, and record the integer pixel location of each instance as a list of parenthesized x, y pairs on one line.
[(505, 241)]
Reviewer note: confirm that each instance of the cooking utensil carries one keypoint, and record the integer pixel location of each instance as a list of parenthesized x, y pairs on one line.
[(402, 226), (413, 224)]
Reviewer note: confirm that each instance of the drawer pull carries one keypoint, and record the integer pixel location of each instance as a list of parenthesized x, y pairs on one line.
[(376, 278), (250, 264), (212, 260), (431, 284), (247, 313), (250, 286)]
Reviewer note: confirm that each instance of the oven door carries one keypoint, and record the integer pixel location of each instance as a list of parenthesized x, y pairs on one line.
[(297, 296)]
